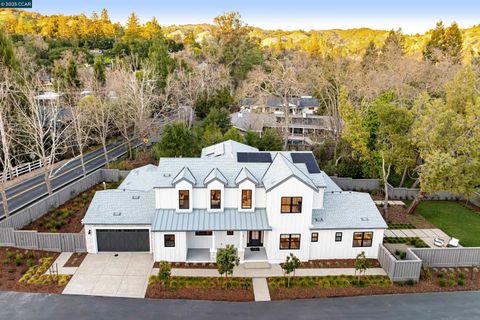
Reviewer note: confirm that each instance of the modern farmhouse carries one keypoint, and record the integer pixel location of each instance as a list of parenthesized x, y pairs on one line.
[(267, 204)]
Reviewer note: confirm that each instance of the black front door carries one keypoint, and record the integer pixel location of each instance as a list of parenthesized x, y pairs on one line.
[(254, 239)]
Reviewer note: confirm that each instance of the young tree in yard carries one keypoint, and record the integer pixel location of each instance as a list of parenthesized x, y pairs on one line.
[(291, 264), (227, 260), (447, 133), (177, 141), (361, 265), (164, 273)]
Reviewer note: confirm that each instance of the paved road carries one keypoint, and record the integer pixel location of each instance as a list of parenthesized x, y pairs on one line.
[(455, 305), (26, 192)]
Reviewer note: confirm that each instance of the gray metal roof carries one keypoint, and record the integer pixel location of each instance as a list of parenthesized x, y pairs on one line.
[(347, 210), (121, 207), (280, 170), (141, 179), (202, 220), (185, 174)]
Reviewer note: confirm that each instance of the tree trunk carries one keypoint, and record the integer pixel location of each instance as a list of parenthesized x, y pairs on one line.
[(415, 202), (286, 112), (415, 184), (385, 173), (48, 182), (404, 175), (3, 195), (82, 163), (105, 153)]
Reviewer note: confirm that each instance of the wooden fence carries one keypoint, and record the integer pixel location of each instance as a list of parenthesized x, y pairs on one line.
[(448, 257), (400, 270), (29, 239)]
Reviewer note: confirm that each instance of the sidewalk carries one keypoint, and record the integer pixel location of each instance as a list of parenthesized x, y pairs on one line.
[(60, 261), (274, 271)]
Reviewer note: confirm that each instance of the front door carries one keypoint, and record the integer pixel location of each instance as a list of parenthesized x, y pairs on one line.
[(254, 239)]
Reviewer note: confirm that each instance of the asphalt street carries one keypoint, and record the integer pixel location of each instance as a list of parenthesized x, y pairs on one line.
[(453, 305), (28, 191)]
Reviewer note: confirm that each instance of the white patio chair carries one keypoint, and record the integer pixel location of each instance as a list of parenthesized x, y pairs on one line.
[(438, 242), (453, 243)]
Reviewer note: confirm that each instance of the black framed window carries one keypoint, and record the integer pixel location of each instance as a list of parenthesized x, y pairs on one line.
[(230, 233), (183, 199), (215, 199), (362, 239), (203, 233), (291, 205), (289, 241), (314, 236), (246, 199), (169, 240), (338, 236)]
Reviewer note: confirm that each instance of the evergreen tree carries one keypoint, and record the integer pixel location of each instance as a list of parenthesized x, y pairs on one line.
[(71, 74), (220, 99), (177, 141), (132, 30), (219, 117), (270, 141), (7, 54), (234, 134), (394, 43), (160, 59), (436, 44), (453, 43), (370, 56), (99, 70)]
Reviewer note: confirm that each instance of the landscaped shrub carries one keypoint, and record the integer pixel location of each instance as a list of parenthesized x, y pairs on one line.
[(403, 255), (460, 282), (441, 282), (451, 282), (18, 259), (410, 282), (461, 275)]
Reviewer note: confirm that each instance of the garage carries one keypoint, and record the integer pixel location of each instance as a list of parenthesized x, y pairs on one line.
[(123, 240)]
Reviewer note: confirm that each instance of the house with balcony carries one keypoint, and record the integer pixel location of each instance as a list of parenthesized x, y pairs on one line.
[(266, 204)]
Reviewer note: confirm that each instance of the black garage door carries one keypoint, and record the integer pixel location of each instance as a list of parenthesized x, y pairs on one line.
[(123, 240)]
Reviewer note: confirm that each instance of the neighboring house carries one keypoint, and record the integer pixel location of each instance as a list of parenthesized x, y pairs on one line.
[(297, 105), (267, 204), (302, 127)]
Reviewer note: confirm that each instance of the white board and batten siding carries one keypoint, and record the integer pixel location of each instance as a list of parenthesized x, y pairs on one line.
[(328, 248), (173, 254), (91, 234)]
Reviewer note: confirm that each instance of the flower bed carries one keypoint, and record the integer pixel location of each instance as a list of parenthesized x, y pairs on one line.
[(413, 241), (75, 259), (18, 264), (201, 288), (68, 217)]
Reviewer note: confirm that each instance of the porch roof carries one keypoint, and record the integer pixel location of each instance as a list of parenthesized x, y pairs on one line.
[(202, 220)]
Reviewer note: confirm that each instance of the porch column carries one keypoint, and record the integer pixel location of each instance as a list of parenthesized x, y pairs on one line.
[(241, 248), (213, 249)]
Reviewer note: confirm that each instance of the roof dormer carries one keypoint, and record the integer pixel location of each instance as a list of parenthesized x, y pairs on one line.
[(215, 182), (184, 174), (184, 182), (246, 183), (215, 174)]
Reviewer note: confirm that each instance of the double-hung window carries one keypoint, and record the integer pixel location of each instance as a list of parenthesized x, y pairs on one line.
[(246, 199), (291, 205), (183, 199), (215, 199), (362, 239)]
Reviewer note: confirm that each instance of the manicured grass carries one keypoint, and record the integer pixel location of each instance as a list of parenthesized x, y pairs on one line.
[(454, 219)]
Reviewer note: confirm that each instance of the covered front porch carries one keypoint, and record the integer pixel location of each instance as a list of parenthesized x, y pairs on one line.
[(202, 246)]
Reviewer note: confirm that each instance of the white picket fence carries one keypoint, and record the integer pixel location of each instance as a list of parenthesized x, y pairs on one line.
[(25, 168)]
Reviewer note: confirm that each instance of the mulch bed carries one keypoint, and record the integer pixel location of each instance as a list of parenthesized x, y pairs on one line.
[(335, 263), (430, 285), (10, 273), (398, 214), (73, 223), (218, 294), (189, 265), (75, 259)]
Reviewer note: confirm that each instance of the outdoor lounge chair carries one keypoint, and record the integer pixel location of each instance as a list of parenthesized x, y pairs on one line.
[(438, 242), (453, 243)]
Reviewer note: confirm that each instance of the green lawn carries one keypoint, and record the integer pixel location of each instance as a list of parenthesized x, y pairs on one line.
[(454, 219)]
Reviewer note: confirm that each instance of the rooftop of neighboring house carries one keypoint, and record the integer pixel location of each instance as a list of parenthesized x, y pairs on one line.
[(275, 102)]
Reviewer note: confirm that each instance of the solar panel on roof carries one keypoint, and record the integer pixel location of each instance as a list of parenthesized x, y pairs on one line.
[(308, 159), (263, 157)]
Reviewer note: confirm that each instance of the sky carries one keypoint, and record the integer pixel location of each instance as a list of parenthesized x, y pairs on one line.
[(410, 15)]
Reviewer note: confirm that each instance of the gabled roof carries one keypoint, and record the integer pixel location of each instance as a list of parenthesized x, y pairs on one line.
[(184, 174), (215, 174), (243, 175), (280, 170)]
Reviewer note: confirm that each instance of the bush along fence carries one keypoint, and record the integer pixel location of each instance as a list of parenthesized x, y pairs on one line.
[(410, 268), (68, 242), (394, 193)]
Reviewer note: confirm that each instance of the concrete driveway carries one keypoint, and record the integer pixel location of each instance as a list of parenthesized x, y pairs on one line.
[(112, 274)]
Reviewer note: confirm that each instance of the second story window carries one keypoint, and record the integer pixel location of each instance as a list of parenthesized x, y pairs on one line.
[(183, 199), (291, 204), (246, 199), (215, 199)]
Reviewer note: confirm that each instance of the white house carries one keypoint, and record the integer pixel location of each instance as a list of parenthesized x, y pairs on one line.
[(267, 204)]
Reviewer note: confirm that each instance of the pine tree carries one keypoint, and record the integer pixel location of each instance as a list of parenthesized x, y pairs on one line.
[(152, 29), (370, 56), (394, 43), (71, 74), (436, 43), (160, 59), (7, 54), (99, 70), (453, 43), (133, 26)]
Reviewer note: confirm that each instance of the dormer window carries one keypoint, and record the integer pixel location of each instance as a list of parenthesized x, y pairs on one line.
[(291, 205), (215, 199), (246, 199), (184, 199)]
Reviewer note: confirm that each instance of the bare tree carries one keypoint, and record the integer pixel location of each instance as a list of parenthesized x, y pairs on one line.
[(281, 79), (43, 130), (100, 120), (6, 137)]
